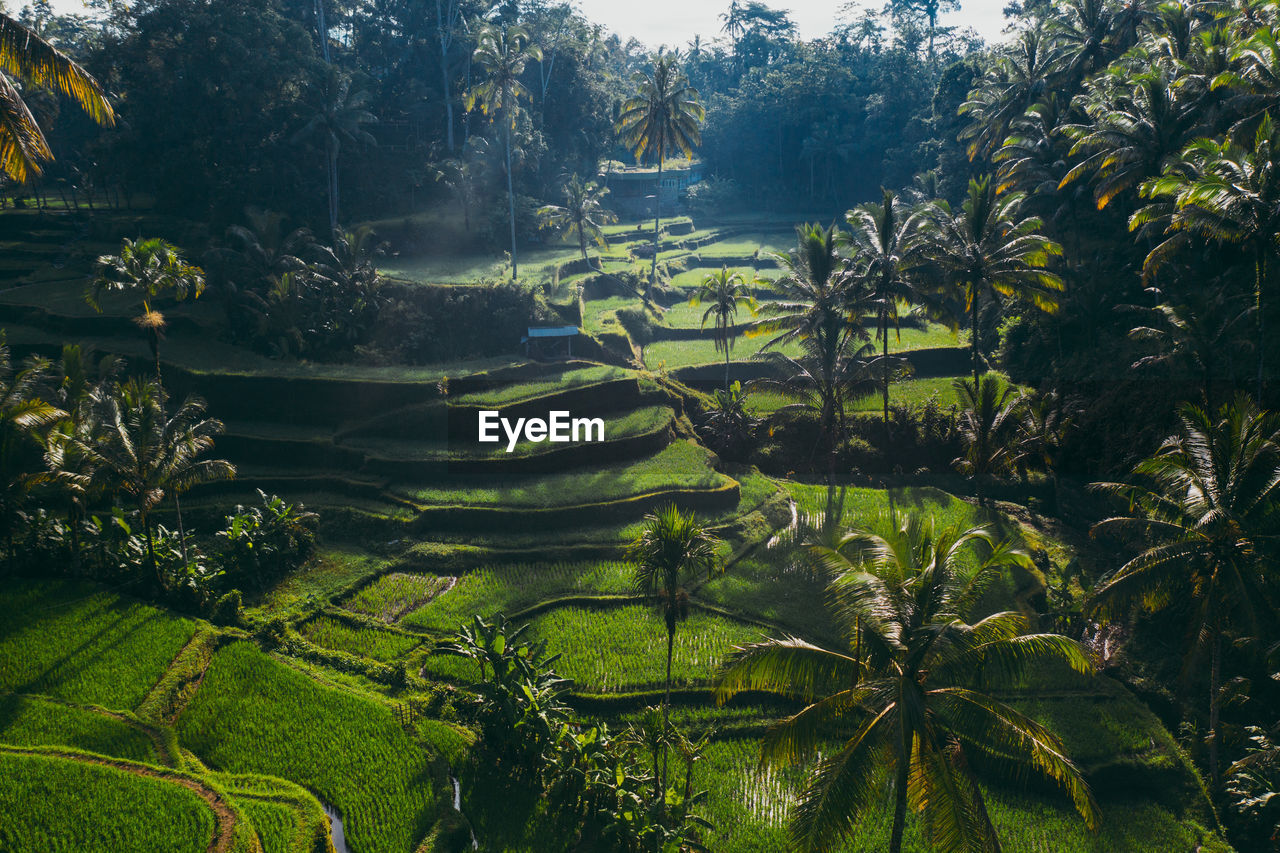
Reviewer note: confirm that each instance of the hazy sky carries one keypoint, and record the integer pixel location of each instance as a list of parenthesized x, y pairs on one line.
[(674, 22)]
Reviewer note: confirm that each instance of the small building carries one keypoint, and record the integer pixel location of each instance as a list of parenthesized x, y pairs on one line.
[(549, 342), (633, 189)]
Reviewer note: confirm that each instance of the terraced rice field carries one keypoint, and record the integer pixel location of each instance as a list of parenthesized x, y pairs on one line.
[(36, 721), (54, 804), (74, 643), (255, 715), (624, 648)]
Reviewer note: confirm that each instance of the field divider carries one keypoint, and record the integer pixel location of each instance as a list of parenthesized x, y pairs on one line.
[(181, 678)]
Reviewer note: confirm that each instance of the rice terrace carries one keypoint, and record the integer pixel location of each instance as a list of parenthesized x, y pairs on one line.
[(549, 427)]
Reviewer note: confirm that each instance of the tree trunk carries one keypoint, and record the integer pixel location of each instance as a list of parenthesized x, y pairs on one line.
[(884, 366), (511, 203), (322, 28), (332, 154), (1215, 676), (1259, 285), (900, 799), (182, 532), (444, 76), (657, 217), (973, 334), (666, 700)]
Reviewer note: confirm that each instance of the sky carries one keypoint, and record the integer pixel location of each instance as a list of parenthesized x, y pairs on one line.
[(674, 22)]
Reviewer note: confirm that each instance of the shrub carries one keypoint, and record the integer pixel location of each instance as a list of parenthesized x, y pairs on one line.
[(265, 542), (227, 609)]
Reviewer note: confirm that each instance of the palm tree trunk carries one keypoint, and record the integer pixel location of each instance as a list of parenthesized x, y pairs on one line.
[(322, 29), (884, 366), (182, 532), (657, 215), (1259, 284), (444, 77), (511, 204), (1215, 675), (900, 799), (666, 700), (973, 335), (332, 153)]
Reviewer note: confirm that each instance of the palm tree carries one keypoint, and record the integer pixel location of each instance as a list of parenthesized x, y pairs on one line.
[(22, 411), (988, 250), (155, 267), (25, 55), (339, 117), (146, 453), (1229, 194), (1194, 333), (988, 419), (582, 215), (1042, 431), (1204, 502), (880, 237), (503, 53), (725, 292), (1011, 86), (904, 691), (463, 176), (670, 553), (663, 117), (1138, 125)]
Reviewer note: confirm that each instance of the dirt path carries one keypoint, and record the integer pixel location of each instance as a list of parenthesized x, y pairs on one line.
[(225, 818)]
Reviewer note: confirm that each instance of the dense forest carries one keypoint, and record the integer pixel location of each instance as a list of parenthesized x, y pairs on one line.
[(937, 498)]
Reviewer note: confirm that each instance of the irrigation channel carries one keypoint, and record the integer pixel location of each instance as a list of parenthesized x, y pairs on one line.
[(336, 829), (457, 807)]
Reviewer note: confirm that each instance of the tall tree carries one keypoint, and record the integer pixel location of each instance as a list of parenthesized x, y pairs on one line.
[(880, 236), (1205, 504), (1230, 194), (670, 553), (26, 56), (582, 215), (908, 691), (146, 453), (725, 292), (339, 116), (988, 250), (155, 268), (502, 53), (663, 116)]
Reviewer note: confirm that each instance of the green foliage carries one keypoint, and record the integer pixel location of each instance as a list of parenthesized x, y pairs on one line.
[(255, 715), (71, 642), (63, 804), (35, 721), (264, 542)]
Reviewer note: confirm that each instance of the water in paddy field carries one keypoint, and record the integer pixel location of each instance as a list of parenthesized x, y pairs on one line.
[(335, 828), (457, 807)]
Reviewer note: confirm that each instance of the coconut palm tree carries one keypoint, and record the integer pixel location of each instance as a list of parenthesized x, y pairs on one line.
[(146, 453), (22, 412), (989, 413), (820, 307), (1203, 503), (662, 118), (503, 53), (154, 267), (1229, 194), (339, 116), (1011, 86), (671, 552), (905, 692), (25, 55), (725, 292), (988, 251), (582, 216), (880, 240)]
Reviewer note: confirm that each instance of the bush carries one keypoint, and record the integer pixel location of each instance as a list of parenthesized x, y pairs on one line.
[(713, 196), (227, 609), (430, 324), (265, 542)]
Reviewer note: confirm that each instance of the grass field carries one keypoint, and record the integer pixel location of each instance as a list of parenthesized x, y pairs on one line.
[(368, 642), (624, 648), (256, 715), (60, 805), (35, 721), (681, 464), (509, 587), (394, 594), (70, 641)]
